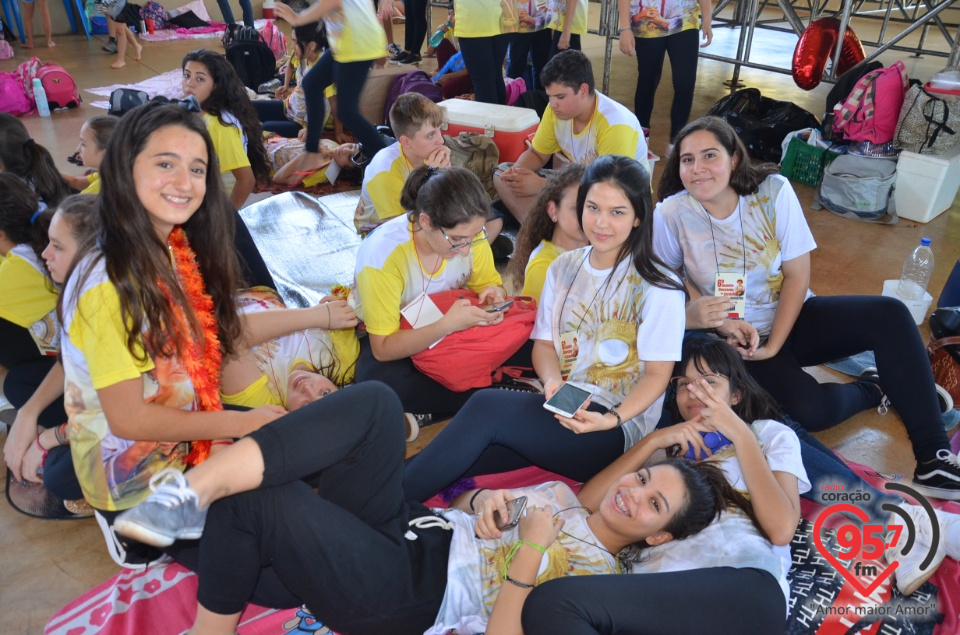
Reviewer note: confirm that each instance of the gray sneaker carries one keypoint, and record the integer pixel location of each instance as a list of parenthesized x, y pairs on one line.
[(169, 513), (110, 46)]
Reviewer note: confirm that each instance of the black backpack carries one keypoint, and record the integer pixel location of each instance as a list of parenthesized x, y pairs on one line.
[(250, 57)]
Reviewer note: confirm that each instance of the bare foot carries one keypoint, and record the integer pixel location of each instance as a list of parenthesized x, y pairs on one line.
[(27, 45), (139, 53), (118, 64), (51, 44)]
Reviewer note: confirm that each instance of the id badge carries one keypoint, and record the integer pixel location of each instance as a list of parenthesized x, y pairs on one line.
[(569, 349), (421, 311), (733, 287)]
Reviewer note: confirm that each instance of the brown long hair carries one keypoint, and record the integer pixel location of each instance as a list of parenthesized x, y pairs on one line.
[(20, 219), (137, 261), (30, 161), (746, 176), (538, 226)]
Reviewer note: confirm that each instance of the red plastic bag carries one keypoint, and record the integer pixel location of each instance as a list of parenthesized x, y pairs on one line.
[(468, 359)]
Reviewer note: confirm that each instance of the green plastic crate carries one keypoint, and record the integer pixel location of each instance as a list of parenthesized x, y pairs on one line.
[(804, 163)]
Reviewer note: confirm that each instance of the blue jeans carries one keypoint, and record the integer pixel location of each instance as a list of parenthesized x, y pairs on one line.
[(227, 12)]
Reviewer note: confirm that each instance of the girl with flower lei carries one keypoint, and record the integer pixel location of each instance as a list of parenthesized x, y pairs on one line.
[(149, 315)]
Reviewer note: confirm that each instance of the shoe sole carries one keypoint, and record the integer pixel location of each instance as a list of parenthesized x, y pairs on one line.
[(413, 427), (936, 492), (926, 575), (150, 537)]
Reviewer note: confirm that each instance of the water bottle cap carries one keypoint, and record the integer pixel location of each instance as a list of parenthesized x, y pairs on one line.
[(925, 242), (37, 83)]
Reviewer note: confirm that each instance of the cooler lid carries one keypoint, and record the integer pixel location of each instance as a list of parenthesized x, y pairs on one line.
[(464, 112)]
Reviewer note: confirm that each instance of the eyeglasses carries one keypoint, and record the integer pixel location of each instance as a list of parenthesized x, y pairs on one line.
[(681, 383), (479, 238)]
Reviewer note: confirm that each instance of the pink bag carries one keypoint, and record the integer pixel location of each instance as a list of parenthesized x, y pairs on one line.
[(515, 88), (871, 110), (12, 97), (275, 39), (6, 51), (25, 73)]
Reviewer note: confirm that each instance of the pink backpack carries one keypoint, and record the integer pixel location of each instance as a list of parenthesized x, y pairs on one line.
[(871, 110), (25, 73), (62, 91), (275, 39), (12, 98)]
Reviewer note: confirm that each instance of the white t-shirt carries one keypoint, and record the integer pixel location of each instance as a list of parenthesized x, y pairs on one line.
[(766, 229), (474, 565), (733, 540), (620, 321)]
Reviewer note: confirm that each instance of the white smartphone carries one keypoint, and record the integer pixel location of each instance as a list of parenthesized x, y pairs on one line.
[(567, 400)]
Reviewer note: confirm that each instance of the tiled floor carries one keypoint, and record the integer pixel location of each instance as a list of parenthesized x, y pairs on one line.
[(45, 564)]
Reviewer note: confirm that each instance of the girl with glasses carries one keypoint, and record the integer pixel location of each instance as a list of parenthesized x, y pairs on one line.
[(440, 244), (610, 317)]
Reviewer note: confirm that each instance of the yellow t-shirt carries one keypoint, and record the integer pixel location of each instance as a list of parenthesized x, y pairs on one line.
[(94, 181), (383, 182), (672, 16), (558, 14), (389, 275), (28, 294), (228, 142), (354, 32), (484, 18), (536, 271), (612, 130), (114, 473), (332, 353)]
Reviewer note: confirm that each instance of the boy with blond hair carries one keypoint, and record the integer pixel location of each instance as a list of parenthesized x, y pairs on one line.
[(416, 122)]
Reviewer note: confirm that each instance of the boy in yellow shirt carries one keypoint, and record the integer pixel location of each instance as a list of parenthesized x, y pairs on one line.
[(416, 121), (580, 125)]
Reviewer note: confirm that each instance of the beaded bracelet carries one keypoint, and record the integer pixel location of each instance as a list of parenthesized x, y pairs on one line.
[(474, 497), (522, 585), (61, 433)]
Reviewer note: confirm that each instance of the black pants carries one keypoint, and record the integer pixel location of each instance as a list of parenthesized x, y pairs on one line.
[(418, 393), (253, 270), (415, 23), (483, 57), (574, 42), (499, 430), (719, 601), (833, 327), (341, 549), (349, 78), (684, 50), (17, 346), (524, 44), (274, 119)]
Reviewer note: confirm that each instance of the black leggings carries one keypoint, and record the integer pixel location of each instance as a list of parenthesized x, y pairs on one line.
[(274, 118), (253, 270), (415, 23), (499, 430), (349, 78), (343, 549), (483, 57), (418, 393), (684, 50), (833, 327), (523, 44), (719, 601)]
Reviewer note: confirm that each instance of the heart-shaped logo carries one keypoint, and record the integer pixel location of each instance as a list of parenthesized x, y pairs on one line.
[(844, 571)]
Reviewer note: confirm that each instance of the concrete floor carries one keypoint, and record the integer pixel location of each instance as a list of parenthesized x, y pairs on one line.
[(46, 564)]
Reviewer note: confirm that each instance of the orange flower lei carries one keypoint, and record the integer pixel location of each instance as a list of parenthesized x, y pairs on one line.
[(201, 360)]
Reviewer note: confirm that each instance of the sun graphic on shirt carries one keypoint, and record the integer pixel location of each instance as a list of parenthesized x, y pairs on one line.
[(762, 247)]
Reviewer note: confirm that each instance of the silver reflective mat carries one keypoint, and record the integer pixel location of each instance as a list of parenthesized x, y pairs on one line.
[(309, 244)]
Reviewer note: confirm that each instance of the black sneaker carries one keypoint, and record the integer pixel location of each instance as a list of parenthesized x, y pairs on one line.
[(939, 478), (110, 46), (871, 375), (398, 55), (412, 59)]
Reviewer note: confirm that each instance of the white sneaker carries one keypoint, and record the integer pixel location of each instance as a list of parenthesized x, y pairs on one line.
[(910, 575), (949, 532)]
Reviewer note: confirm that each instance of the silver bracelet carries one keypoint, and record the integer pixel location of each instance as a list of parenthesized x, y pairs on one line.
[(616, 414)]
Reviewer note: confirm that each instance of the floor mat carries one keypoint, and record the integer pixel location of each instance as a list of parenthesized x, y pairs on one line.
[(309, 244)]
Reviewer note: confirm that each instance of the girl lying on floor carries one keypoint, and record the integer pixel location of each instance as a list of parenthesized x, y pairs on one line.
[(333, 548)]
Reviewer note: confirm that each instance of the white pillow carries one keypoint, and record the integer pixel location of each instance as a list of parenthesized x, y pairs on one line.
[(198, 8)]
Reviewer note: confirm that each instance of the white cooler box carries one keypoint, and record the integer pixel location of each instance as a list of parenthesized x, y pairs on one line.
[(509, 127), (926, 184)]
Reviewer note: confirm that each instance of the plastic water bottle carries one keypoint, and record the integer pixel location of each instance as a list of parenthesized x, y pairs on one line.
[(437, 37), (916, 272), (40, 96)]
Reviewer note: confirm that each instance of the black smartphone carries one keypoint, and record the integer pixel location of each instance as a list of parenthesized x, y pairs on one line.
[(514, 510), (496, 307)]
